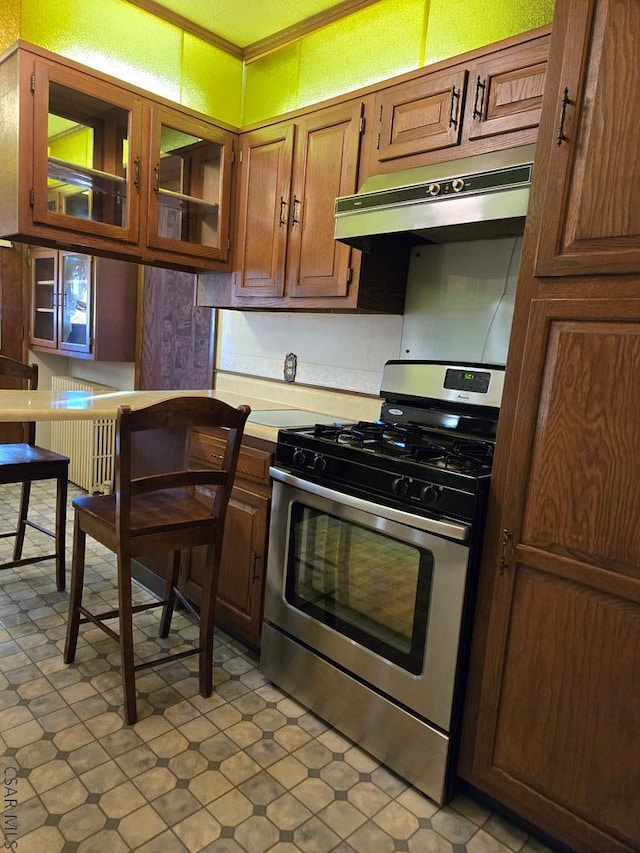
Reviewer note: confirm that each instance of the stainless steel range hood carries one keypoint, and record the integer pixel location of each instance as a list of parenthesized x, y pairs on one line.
[(474, 197)]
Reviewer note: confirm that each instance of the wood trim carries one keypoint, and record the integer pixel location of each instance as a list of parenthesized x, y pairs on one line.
[(264, 46), (188, 26)]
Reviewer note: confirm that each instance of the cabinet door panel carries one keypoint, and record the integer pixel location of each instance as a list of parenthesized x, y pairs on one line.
[(585, 461), (592, 206), (243, 564), (326, 166), (566, 713), (264, 210), (87, 141), (190, 178), (421, 116), (507, 91), (563, 625), (44, 298), (76, 302)]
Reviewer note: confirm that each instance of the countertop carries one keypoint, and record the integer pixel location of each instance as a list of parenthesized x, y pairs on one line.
[(267, 416)]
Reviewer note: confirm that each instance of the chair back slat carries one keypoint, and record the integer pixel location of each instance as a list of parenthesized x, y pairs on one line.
[(177, 479)]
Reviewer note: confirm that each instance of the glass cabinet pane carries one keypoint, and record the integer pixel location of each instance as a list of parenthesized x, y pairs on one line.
[(87, 154), (75, 313), (87, 158), (188, 187), (188, 183), (44, 323)]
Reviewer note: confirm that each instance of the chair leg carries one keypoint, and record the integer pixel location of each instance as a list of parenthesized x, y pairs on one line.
[(75, 597), (126, 636), (207, 613), (170, 596), (22, 521), (61, 521)]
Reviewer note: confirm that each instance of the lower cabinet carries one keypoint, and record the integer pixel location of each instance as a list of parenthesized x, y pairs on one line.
[(244, 554)]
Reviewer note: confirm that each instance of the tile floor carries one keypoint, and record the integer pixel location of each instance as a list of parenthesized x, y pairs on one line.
[(246, 771)]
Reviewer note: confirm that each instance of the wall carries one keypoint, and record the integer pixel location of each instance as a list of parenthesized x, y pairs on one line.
[(118, 38), (377, 42), (459, 305)]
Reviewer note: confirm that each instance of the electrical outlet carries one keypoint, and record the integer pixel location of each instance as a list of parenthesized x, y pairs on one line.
[(290, 365)]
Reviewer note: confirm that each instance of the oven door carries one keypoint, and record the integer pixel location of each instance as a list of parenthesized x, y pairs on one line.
[(376, 591)]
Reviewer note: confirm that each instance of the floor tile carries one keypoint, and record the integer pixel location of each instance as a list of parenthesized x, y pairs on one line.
[(247, 770)]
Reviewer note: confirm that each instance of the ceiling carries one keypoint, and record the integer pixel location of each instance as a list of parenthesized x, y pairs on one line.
[(246, 27)]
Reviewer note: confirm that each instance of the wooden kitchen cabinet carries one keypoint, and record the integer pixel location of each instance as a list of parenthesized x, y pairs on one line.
[(592, 207), (286, 256), (551, 715), (244, 555), (490, 100), (73, 301), (98, 166)]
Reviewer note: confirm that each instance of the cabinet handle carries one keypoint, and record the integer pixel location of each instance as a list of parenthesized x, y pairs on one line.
[(296, 204), (480, 87), (506, 550), (136, 179), (563, 114), (455, 102), (156, 172), (255, 576), (283, 204)]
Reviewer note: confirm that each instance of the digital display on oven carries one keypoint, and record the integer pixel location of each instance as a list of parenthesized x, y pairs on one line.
[(467, 380)]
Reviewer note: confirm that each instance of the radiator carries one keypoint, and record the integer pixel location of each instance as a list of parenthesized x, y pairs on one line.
[(88, 444)]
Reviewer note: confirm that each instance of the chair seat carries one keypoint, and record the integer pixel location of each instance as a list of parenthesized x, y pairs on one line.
[(165, 511), (29, 462)]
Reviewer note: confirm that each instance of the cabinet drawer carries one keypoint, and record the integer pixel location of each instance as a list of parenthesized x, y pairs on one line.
[(253, 463)]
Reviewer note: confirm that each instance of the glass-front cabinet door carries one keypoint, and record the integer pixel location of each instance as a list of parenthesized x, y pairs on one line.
[(87, 141), (44, 298), (190, 173), (76, 303)]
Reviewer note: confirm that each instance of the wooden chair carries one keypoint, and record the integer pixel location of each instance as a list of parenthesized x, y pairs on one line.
[(26, 463), (157, 513)]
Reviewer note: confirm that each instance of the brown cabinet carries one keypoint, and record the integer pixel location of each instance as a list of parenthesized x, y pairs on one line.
[(551, 717), (73, 296), (96, 165), (244, 555), (592, 208), (491, 100), (286, 256)]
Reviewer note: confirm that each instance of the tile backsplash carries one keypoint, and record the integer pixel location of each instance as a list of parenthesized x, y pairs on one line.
[(459, 306)]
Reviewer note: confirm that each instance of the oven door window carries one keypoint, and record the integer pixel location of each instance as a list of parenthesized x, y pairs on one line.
[(364, 584)]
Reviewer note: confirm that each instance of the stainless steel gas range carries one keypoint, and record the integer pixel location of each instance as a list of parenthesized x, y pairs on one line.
[(374, 543)]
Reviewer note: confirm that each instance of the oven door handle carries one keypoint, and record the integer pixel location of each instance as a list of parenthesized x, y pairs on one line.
[(440, 527)]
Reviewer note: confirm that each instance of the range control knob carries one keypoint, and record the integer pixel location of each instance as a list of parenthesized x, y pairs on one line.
[(319, 462), (457, 184), (400, 486), (433, 189), (430, 494), (299, 457)]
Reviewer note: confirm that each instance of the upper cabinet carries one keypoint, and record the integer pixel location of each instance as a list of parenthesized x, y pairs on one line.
[(289, 176), (491, 101), (72, 305), (97, 165), (591, 222)]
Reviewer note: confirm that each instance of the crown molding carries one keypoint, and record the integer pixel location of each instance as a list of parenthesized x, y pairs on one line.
[(290, 34), (188, 26), (261, 48)]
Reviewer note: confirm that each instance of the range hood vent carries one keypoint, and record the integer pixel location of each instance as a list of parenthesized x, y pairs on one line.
[(474, 197)]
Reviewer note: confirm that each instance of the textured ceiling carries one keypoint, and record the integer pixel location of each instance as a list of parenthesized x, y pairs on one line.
[(244, 22)]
